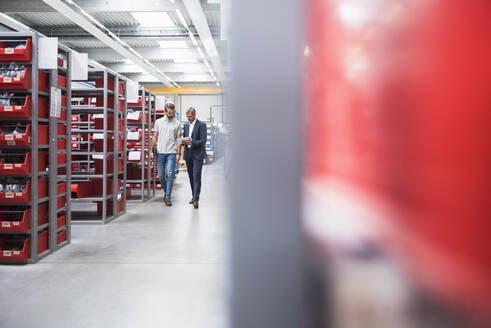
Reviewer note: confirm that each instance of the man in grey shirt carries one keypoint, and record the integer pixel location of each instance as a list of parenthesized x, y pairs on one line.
[(166, 132)]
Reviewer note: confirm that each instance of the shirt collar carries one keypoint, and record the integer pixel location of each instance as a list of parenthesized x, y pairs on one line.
[(191, 123)]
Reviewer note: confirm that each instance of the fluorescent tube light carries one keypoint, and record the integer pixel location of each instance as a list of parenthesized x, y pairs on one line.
[(201, 53), (191, 35), (182, 19), (153, 19)]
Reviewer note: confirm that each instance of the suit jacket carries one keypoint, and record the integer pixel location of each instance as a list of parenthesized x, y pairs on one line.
[(198, 148)]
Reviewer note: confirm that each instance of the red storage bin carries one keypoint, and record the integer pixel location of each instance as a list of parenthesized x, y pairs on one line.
[(62, 81), (24, 82), (63, 101), (109, 210), (137, 117), (83, 189), (7, 225), (25, 111), (25, 167), (110, 102), (134, 136), (61, 187), (61, 62), (62, 115), (25, 197), (134, 173), (61, 221), (60, 202), (61, 236), (11, 54), (99, 123), (61, 129), (99, 144), (25, 139), (61, 159), (24, 254), (99, 83), (99, 164), (138, 103), (61, 144), (98, 186)]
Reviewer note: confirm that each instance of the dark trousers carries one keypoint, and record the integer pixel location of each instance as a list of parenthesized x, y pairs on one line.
[(194, 171)]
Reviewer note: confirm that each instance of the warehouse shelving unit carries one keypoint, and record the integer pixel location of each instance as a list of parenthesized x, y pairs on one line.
[(98, 148), (211, 136), (139, 128), (59, 135), (33, 223)]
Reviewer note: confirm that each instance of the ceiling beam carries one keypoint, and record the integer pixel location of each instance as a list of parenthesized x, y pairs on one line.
[(81, 21), (178, 77), (91, 6), (148, 53), (198, 18), (126, 32), (13, 24), (164, 67)]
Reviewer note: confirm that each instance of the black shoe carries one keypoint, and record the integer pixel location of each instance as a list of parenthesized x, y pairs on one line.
[(168, 202), (196, 204), (191, 201)]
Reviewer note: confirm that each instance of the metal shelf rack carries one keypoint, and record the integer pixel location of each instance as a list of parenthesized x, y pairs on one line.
[(45, 224), (139, 138), (98, 152)]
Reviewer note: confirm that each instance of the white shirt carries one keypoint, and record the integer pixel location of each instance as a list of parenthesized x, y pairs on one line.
[(167, 131), (191, 128)]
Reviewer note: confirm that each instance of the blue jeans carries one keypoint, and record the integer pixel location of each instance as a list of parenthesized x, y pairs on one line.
[(166, 177)]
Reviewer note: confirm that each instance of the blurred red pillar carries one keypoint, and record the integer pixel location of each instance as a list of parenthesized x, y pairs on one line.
[(400, 111)]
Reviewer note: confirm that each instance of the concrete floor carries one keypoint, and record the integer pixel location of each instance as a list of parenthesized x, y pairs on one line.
[(153, 267)]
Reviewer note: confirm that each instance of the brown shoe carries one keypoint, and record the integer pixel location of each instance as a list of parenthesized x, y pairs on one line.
[(168, 202), (191, 201), (195, 204)]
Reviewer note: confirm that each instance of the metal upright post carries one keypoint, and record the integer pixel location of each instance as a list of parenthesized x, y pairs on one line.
[(152, 179), (104, 151), (34, 149), (116, 147), (149, 117), (142, 158), (68, 165), (53, 167), (269, 268), (125, 147)]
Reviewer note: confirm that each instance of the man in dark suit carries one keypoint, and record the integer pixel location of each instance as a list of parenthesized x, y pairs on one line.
[(194, 152)]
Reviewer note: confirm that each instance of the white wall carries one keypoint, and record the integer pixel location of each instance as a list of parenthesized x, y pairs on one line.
[(202, 104)]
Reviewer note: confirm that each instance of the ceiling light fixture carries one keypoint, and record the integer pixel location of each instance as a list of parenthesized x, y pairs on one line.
[(153, 19), (122, 46), (195, 42), (181, 18), (201, 53)]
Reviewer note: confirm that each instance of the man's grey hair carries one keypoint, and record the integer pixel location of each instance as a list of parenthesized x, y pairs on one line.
[(191, 110)]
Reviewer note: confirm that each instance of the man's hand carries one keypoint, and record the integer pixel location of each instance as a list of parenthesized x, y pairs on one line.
[(187, 142), (178, 158)]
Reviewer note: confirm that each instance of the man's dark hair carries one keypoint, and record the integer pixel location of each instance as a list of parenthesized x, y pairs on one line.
[(170, 106)]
